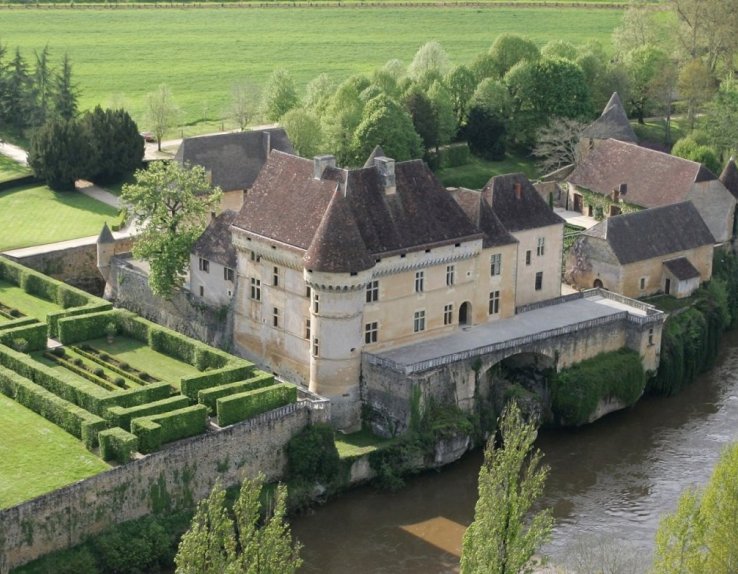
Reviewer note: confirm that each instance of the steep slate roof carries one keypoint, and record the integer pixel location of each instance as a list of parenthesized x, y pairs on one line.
[(653, 233), (233, 159), (480, 214), (287, 204), (612, 123), (215, 242), (105, 235), (681, 268), (653, 178), (529, 211), (729, 177), (376, 152)]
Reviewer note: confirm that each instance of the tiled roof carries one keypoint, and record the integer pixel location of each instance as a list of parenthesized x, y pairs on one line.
[(681, 268), (613, 123), (651, 233), (105, 235), (215, 243), (729, 177), (289, 205), (481, 215), (653, 178), (517, 204), (233, 159)]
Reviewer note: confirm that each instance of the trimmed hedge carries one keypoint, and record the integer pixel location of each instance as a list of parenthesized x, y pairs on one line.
[(34, 333), (190, 351), (11, 271), (12, 324), (117, 444), (84, 327), (577, 390), (193, 384), (132, 374), (134, 326), (134, 397), (122, 416), (155, 430), (208, 397), (73, 419), (54, 317), (242, 406)]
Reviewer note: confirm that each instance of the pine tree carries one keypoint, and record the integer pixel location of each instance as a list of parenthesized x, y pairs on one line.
[(42, 88), (65, 93), (15, 101)]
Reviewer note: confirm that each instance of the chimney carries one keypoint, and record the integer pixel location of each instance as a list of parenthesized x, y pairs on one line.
[(266, 140), (320, 162), (386, 168), (518, 188)]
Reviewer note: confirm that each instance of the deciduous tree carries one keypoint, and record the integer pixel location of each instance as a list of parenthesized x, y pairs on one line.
[(162, 112), (509, 49), (280, 95), (557, 144), (171, 205), (430, 60), (721, 123), (696, 87), (384, 122), (303, 128), (243, 98), (504, 535), (461, 83)]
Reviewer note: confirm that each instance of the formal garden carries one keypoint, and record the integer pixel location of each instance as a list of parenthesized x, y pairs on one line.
[(120, 384)]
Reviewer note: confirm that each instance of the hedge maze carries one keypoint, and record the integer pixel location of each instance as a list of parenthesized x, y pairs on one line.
[(122, 402)]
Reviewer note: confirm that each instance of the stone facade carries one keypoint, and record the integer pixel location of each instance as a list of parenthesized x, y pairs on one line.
[(211, 282), (539, 264)]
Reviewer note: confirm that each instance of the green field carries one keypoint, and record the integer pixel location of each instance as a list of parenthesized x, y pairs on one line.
[(201, 53), (36, 215), (36, 456), (10, 169)]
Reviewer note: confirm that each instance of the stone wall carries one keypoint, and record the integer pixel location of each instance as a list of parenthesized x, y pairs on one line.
[(172, 478), (129, 289)]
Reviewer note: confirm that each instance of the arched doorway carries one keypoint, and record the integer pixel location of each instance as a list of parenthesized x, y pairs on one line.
[(598, 283), (465, 313)]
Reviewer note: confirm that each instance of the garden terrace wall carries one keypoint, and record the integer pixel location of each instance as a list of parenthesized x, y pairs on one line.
[(174, 477)]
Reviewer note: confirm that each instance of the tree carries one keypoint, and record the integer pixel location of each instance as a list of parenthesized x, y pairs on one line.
[(461, 83), (341, 119), (637, 28), (701, 535), (443, 111), (218, 543), (42, 87), (242, 102), (318, 93), (384, 122), (171, 205), (430, 60), (65, 91), (696, 86), (161, 112), (560, 49), (502, 539), (485, 134), (15, 101), (493, 96), (424, 120), (509, 49), (280, 95), (60, 153), (118, 146), (644, 65), (721, 123), (558, 143), (303, 128)]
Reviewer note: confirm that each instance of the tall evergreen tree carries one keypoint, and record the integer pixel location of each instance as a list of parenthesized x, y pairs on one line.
[(16, 104), (117, 144), (65, 93), (42, 88), (60, 153)]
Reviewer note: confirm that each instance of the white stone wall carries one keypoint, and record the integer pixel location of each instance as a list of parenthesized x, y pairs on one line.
[(549, 264), (211, 286)]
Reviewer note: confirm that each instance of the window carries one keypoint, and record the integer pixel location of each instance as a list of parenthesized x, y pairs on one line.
[(419, 321), (494, 302), (372, 291), (204, 265), (256, 289), (228, 274), (448, 314), (253, 256), (539, 280), (370, 332), (316, 302), (202, 291), (541, 247), (650, 337), (275, 276), (643, 283), (450, 272), (527, 257), (495, 264), (307, 329), (316, 347), (307, 291), (419, 281), (275, 316)]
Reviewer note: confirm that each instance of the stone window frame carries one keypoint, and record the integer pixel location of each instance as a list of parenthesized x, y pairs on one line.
[(528, 257), (255, 289), (539, 281), (275, 276), (275, 317), (494, 302), (450, 275), (316, 347), (541, 247), (371, 332), (307, 329), (495, 264), (419, 281), (372, 291), (642, 282), (419, 321), (448, 314), (228, 274), (204, 265)]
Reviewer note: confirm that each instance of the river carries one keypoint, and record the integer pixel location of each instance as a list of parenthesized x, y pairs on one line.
[(611, 480)]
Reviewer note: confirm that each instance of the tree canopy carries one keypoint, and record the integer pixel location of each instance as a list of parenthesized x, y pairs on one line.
[(161, 111), (280, 95)]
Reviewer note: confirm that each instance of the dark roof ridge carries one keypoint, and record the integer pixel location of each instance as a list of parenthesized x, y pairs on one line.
[(729, 177), (518, 209), (105, 235)]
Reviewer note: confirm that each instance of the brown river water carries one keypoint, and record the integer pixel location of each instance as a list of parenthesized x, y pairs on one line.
[(611, 480)]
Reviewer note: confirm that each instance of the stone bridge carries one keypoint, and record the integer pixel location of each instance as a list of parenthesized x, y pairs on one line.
[(565, 330)]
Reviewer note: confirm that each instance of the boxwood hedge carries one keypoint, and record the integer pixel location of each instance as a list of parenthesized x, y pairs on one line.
[(193, 384), (34, 334), (117, 444), (122, 416), (23, 321), (208, 397), (242, 406), (155, 430), (84, 327)]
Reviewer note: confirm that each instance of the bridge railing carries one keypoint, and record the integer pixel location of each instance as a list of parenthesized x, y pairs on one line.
[(494, 347)]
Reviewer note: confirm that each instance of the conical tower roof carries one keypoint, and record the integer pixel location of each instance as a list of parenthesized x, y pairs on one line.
[(729, 177), (337, 246), (613, 123), (105, 235)]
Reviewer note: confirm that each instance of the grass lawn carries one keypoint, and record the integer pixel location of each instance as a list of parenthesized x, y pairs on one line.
[(124, 53), (30, 305), (36, 215), (653, 130), (36, 456), (668, 303), (477, 172), (10, 169), (141, 357), (359, 443)]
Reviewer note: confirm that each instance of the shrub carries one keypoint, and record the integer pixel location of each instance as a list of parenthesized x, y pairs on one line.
[(111, 329), (577, 390), (117, 444), (11, 271), (20, 344), (242, 406), (122, 416), (40, 286), (237, 371), (312, 455), (455, 155), (82, 327), (119, 382), (53, 318), (208, 397), (79, 362), (99, 372), (153, 431), (59, 351), (133, 397), (21, 322), (134, 326)]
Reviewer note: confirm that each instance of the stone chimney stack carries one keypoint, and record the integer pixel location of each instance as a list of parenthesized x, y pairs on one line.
[(320, 162), (266, 140), (386, 168)]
